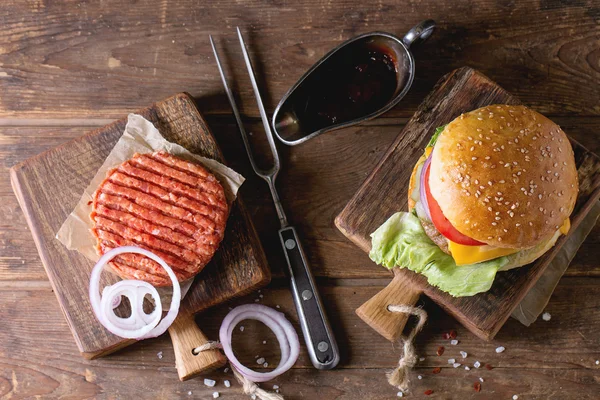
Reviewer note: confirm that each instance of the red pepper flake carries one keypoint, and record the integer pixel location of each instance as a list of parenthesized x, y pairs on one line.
[(437, 370), (453, 334), (440, 350), (488, 367), (477, 387), (428, 392), (446, 336), (90, 203)]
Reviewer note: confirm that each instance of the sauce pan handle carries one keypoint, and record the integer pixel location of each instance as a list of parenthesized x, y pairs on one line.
[(419, 33)]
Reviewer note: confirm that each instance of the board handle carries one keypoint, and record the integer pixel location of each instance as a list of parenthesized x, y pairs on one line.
[(186, 336), (375, 310)]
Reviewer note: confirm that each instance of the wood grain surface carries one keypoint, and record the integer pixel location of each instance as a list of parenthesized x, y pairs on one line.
[(384, 192), (49, 185), (71, 66)]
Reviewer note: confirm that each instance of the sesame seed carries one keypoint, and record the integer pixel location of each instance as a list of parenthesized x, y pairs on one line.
[(489, 208), (494, 223), (497, 218), (517, 224), (473, 158), (472, 148), (479, 118), (505, 230), (469, 137), (530, 223), (499, 239), (512, 214), (507, 165), (541, 208)]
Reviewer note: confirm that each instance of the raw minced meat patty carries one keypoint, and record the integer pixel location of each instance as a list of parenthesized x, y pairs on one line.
[(172, 207)]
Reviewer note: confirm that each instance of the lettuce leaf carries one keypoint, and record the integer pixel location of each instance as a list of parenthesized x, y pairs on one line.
[(435, 136), (401, 241)]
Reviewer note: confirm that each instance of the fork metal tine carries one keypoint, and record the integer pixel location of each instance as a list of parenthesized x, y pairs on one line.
[(263, 174)]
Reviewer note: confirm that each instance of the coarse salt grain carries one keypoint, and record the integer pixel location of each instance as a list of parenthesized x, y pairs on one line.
[(264, 342), (399, 394), (515, 397), (454, 342), (215, 395), (209, 382), (463, 354), (546, 316), (467, 368), (275, 387), (226, 370), (451, 361), (277, 306), (500, 349), (260, 360), (420, 377), (159, 355), (477, 364), (480, 379), (456, 365), (597, 362), (265, 364), (242, 328), (253, 397), (190, 393), (421, 358)]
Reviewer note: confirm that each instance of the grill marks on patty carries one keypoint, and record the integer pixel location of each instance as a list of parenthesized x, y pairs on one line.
[(174, 208)]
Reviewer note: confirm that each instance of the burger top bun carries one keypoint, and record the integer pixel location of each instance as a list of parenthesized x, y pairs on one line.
[(504, 175)]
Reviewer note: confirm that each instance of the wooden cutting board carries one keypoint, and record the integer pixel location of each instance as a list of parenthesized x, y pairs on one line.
[(385, 192), (49, 185)]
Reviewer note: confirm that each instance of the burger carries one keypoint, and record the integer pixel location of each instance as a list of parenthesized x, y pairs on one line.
[(493, 190)]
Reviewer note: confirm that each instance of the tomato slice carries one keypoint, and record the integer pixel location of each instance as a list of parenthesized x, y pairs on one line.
[(441, 222)]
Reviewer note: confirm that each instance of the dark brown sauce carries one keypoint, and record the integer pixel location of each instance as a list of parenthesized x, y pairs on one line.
[(348, 86)]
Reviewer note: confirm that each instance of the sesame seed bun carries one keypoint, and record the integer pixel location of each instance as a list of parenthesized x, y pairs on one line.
[(504, 175)]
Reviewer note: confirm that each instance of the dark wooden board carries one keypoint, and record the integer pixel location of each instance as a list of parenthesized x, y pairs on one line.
[(49, 185), (385, 192)]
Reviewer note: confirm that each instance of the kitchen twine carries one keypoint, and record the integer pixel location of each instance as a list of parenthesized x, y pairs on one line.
[(250, 388), (399, 376)]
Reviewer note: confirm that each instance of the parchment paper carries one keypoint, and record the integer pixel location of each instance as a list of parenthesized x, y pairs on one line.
[(140, 136), (537, 298)]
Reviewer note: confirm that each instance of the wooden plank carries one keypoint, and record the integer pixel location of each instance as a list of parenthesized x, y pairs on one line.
[(49, 185), (88, 59), (385, 192), (538, 360), (331, 255)]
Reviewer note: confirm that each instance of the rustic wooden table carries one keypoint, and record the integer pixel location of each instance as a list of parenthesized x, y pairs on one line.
[(67, 67)]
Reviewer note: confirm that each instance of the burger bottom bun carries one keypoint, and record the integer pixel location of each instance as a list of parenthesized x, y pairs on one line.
[(528, 256)]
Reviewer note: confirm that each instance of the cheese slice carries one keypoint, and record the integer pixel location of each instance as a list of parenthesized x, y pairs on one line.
[(465, 255), (566, 226)]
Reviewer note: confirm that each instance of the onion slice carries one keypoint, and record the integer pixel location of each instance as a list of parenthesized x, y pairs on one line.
[(422, 193), (281, 327), (138, 325)]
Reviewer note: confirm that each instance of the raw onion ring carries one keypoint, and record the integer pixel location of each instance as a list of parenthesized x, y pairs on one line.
[(281, 327), (422, 193), (138, 325)]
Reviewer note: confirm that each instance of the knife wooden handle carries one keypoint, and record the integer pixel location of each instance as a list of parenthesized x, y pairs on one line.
[(375, 310), (186, 336)]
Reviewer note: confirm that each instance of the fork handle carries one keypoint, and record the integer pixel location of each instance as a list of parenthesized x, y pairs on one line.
[(321, 344)]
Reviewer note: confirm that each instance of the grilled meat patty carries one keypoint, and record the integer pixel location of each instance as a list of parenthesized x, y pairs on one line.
[(172, 207)]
